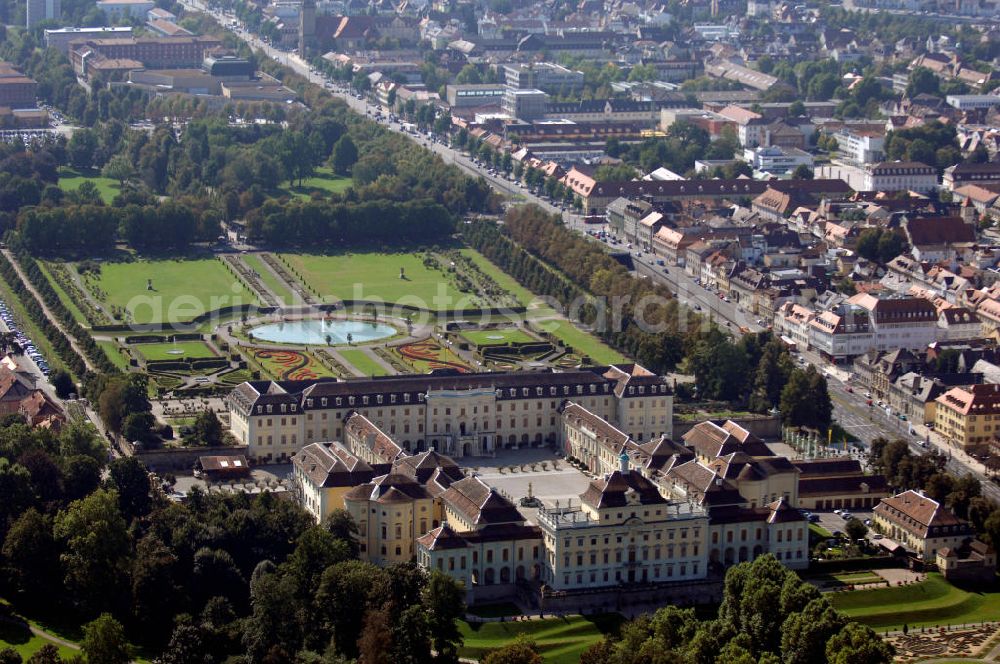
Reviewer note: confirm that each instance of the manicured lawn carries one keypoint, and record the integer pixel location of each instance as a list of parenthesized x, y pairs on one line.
[(182, 289), (583, 343), (324, 182), (175, 351), (925, 604), (509, 335), (560, 640), (117, 357), (270, 280), (362, 362), (70, 180), (375, 276), (524, 296), (427, 355), (290, 364)]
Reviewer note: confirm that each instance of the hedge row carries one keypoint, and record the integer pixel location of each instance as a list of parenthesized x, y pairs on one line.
[(98, 358), (73, 360)]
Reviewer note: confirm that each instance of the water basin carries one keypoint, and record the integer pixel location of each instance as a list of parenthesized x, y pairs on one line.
[(316, 332)]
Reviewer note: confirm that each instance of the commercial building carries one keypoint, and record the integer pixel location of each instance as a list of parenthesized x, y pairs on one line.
[(777, 160), (91, 56), (114, 9), (524, 104), (900, 176), (465, 96), (42, 10), (920, 524), (972, 102), (61, 38), (551, 78), (859, 147), (969, 417), (16, 89), (461, 415)]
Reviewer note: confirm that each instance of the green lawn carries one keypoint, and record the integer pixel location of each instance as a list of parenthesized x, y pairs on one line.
[(362, 362), (175, 351), (560, 640), (118, 358), (70, 180), (182, 289), (524, 296), (276, 286), (509, 335), (375, 276), (925, 604), (583, 343), (27, 644), (324, 182)]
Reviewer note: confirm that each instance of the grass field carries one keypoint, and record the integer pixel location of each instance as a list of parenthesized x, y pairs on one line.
[(560, 640), (375, 276), (508, 335), (189, 349), (324, 182), (116, 357), (270, 280), (182, 289), (524, 296), (582, 343), (363, 362), (70, 180), (925, 604), (27, 644)]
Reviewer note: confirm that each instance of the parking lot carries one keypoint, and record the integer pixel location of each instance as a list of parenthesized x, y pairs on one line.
[(22, 339), (836, 523)]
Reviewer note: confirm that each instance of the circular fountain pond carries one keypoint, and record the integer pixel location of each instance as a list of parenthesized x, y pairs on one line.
[(316, 332)]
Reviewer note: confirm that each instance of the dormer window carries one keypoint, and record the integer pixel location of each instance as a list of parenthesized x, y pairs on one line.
[(364, 400), (270, 408), (378, 399), (392, 398), (309, 403), (283, 408), (538, 391), (350, 400), (552, 391), (406, 398)]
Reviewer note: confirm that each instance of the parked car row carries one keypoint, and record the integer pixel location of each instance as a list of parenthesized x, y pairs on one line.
[(22, 339)]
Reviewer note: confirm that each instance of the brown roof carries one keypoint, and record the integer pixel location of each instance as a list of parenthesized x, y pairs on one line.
[(713, 440), (480, 503), (330, 465), (622, 488), (939, 230), (917, 513)]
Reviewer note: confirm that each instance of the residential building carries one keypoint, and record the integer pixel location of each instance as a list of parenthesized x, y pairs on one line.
[(971, 173), (920, 524), (16, 89), (323, 474), (969, 417), (900, 176), (905, 322)]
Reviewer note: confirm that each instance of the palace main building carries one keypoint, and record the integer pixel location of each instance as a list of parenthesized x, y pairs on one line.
[(455, 414)]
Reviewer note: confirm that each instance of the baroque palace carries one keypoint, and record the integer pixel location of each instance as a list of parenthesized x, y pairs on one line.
[(658, 514)]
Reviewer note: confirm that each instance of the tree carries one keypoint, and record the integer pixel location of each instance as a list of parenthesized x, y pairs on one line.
[(207, 429), (119, 168), (104, 641), (796, 109), (315, 550), (805, 400), (444, 601), (922, 81), (47, 654), (81, 148), (802, 172), (375, 645), (187, 646), (855, 529), (521, 651), (62, 382), (30, 554), (96, 542), (340, 524), (129, 479), (345, 155), (804, 635), (10, 656), (720, 368), (858, 644), (469, 75)]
